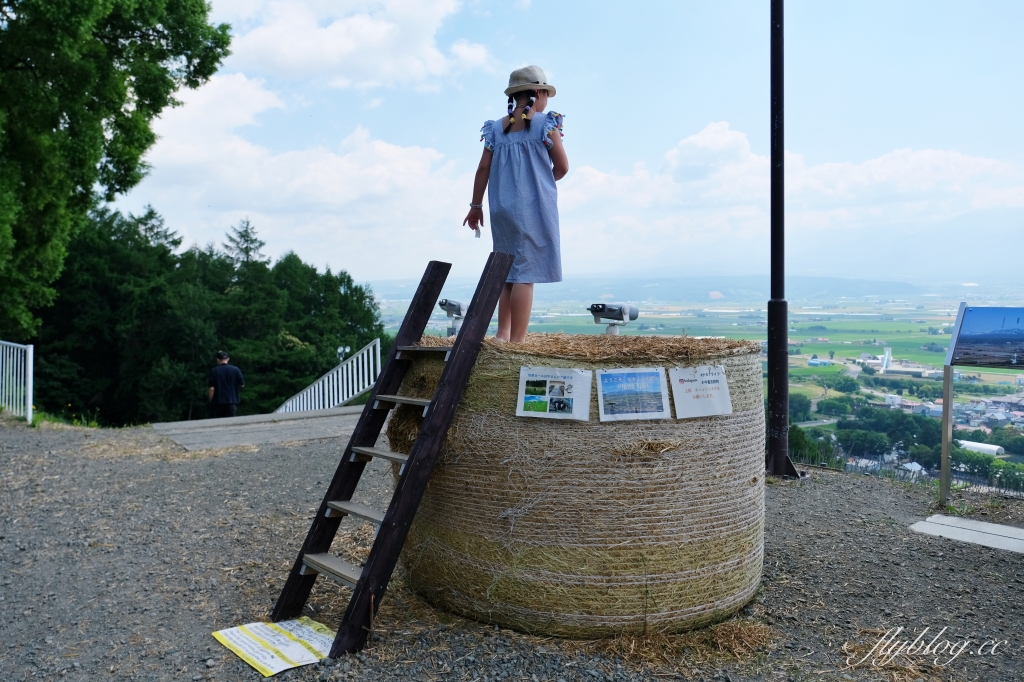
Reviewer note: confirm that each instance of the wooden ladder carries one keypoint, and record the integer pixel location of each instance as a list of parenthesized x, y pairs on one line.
[(369, 582)]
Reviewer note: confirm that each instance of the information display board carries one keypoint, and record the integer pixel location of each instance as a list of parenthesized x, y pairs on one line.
[(632, 393), (988, 337), (554, 393), (700, 391)]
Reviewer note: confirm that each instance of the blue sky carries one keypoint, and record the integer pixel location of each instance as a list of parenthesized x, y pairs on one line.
[(347, 132)]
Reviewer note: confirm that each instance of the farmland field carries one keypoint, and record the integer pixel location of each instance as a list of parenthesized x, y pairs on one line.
[(634, 403), (848, 328)]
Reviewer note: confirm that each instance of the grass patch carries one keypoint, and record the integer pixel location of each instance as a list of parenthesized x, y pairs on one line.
[(40, 418)]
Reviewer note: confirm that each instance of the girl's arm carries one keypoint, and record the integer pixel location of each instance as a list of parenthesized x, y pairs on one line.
[(475, 217), (559, 160)]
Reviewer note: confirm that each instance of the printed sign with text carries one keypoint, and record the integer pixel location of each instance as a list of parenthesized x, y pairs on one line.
[(633, 393), (700, 391), (554, 393)]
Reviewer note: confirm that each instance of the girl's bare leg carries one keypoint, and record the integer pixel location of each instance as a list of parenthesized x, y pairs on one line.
[(514, 307), (522, 306)]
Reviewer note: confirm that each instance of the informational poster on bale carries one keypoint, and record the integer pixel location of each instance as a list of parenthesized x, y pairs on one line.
[(554, 393), (632, 393), (700, 391)]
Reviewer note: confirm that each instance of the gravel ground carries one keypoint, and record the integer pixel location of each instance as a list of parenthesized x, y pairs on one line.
[(120, 553)]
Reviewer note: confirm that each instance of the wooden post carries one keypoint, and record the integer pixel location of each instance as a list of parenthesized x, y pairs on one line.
[(947, 433)]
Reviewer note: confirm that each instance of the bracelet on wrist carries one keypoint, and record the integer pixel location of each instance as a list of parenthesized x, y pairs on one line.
[(472, 205)]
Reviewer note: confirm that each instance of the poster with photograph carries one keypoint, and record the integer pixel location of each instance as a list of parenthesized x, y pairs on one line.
[(633, 393), (990, 337), (700, 391), (554, 393)]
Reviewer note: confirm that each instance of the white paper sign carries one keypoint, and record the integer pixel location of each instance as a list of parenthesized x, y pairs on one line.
[(632, 393), (554, 393), (273, 647), (700, 391)]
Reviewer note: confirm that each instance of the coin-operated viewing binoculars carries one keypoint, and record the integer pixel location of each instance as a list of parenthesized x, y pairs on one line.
[(456, 311), (615, 314)]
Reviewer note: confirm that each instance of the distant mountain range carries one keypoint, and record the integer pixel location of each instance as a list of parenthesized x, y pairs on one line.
[(1007, 334), (704, 291)]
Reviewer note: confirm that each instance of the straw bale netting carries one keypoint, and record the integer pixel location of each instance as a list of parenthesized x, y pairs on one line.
[(589, 529)]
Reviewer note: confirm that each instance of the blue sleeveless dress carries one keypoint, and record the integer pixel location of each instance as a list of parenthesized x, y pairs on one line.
[(523, 198)]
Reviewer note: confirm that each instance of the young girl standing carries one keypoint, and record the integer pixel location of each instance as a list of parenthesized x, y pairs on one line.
[(523, 157)]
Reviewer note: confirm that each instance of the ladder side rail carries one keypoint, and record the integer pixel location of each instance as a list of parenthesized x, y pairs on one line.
[(323, 528), (412, 484)]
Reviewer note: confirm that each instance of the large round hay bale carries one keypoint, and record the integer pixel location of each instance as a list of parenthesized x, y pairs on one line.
[(588, 529)]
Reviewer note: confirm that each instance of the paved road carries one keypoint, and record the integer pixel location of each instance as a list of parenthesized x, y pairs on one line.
[(816, 422), (260, 429)]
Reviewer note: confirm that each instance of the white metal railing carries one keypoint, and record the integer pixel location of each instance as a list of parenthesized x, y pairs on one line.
[(351, 378), (16, 363)]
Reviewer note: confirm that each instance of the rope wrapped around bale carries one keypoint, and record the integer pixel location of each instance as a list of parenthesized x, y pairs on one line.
[(589, 529)]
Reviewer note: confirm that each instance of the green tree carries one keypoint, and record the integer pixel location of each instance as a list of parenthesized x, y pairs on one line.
[(900, 427), (845, 384), (860, 443), (136, 324), (923, 455), (799, 408), (833, 407), (80, 84)]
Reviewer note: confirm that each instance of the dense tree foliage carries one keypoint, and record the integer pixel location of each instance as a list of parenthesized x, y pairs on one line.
[(799, 408), (833, 407), (903, 430), (844, 384), (136, 324), (80, 83), (860, 443)]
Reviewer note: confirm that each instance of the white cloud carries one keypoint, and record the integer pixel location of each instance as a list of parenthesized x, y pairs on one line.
[(378, 210), (712, 198), (362, 44)]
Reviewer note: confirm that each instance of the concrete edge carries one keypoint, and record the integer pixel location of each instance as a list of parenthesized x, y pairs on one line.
[(979, 526), (199, 424)]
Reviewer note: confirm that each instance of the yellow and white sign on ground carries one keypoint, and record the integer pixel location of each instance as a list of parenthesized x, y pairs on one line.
[(273, 647)]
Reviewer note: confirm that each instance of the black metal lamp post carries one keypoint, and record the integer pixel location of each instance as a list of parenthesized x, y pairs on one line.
[(777, 460)]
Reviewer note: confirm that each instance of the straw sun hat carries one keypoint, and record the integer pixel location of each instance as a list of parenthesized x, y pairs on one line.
[(529, 78)]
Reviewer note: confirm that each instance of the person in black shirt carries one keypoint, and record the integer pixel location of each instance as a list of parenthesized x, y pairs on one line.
[(225, 383)]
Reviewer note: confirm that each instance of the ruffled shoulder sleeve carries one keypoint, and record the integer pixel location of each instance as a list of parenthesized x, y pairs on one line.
[(552, 121), (487, 135)]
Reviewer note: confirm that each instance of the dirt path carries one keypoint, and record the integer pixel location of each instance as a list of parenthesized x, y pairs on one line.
[(120, 553)]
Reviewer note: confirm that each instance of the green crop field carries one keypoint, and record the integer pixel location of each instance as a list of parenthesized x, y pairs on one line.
[(846, 328)]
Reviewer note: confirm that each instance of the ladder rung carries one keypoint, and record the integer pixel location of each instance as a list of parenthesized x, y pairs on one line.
[(355, 509), (447, 350), (358, 452), (403, 400), (333, 567)]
